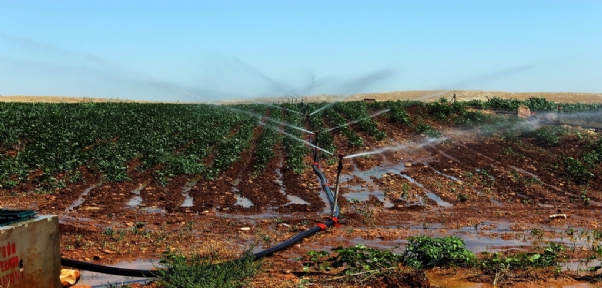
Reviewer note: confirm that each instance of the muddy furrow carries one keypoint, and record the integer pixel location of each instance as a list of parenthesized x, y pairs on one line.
[(263, 190)]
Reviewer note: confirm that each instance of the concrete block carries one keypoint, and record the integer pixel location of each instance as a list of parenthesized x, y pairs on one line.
[(29, 253)]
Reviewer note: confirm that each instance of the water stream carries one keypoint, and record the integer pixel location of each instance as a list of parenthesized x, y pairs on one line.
[(189, 200), (137, 200), (291, 198), (428, 193), (441, 173), (241, 200), (81, 198)]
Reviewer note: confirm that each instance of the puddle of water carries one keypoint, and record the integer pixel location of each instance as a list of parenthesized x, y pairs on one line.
[(581, 267), (295, 200), (376, 172), (105, 280), (428, 193), (135, 201), (81, 199), (364, 196), (489, 243), (325, 200), (241, 200), (154, 210), (438, 199), (189, 200), (279, 179), (498, 203), (291, 198)]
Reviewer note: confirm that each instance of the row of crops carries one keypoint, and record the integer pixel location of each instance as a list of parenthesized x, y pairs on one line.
[(47, 144), (44, 139), (39, 141)]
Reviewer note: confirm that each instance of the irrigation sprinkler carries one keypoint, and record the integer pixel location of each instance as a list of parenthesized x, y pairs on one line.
[(336, 193)]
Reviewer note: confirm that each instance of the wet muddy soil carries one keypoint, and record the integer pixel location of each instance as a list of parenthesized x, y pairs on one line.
[(466, 185)]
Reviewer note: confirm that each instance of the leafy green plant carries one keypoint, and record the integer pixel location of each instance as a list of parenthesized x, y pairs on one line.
[(357, 110), (426, 129), (361, 259), (548, 136), (317, 260), (336, 119), (510, 136), (195, 270), (584, 197), (576, 171), (426, 252), (552, 255), (398, 114)]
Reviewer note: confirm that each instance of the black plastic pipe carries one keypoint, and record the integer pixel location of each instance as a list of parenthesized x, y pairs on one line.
[(107, 269)]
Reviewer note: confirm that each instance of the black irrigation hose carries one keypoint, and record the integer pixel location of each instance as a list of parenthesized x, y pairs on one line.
[(292, 240), (268, 252), (107, 269)]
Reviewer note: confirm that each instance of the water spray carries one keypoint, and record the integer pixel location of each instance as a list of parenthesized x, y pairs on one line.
[(358, 120), (269, 119)]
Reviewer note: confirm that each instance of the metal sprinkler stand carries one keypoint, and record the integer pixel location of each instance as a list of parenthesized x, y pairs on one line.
[(336, 193)]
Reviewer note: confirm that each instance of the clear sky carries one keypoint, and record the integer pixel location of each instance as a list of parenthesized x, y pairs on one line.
[(209, 50)]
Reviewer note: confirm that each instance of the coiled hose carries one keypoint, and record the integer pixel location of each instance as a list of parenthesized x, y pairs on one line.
[(268, 252)]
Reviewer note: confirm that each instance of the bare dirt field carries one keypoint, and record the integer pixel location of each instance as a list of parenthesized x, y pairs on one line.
[(430, 95), (494, 194)]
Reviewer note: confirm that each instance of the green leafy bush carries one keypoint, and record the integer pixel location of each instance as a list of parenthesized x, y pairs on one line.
[(196, 270), (576, 171), (551, 255), (426, 252), (426, 129), (361, 258), (548, 136)]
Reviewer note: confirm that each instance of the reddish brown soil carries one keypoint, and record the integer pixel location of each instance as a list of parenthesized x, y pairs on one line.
[(500, 207)]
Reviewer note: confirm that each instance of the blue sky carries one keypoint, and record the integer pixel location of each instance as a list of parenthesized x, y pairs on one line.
[(211, 50)]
